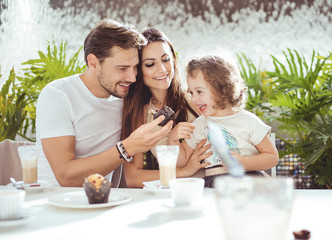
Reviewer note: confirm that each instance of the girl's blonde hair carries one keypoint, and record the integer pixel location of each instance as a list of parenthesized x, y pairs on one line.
[(223, 75)]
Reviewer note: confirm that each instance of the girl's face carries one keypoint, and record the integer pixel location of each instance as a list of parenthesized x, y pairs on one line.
[(201, 95), (157, 65)]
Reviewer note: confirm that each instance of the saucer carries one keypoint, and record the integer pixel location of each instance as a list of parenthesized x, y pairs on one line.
[(33, 187), (25, 218), (154, 186)]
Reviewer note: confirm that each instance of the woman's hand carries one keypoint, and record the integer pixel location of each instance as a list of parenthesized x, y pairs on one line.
[(196, 159), (181, 131)]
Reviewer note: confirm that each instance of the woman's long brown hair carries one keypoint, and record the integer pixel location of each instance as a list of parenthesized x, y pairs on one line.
[(139, 94)]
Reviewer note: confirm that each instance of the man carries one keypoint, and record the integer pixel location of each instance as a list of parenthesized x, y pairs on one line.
[(79, 117)]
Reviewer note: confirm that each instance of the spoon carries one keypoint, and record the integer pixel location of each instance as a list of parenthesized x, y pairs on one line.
[(17, 184)]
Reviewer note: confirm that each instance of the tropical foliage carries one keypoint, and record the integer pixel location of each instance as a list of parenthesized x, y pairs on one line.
[(297, 96), (26, 88), (13, 101)]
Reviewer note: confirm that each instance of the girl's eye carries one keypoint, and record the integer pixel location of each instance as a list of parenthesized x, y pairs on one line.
[(199, 91), (149, 65)]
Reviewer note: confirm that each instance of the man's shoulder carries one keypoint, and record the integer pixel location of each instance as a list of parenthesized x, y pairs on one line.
[(62, 86), (63, 82)]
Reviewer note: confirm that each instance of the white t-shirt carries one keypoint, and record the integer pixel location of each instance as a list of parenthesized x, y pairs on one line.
[(242, 131), (66, 107)]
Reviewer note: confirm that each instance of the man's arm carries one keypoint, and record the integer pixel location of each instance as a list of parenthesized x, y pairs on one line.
[(70, 171)]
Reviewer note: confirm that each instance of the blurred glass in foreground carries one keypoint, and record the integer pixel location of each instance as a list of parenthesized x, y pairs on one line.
[(254, 207)]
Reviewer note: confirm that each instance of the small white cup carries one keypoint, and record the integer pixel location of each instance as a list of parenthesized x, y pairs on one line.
[(187, 191), (11, 202)]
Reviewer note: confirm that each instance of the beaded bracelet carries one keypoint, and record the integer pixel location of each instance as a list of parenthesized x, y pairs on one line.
[(123, 153)]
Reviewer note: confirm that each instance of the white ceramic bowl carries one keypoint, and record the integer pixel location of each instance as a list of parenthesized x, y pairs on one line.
[(186, 191), (11, 202)]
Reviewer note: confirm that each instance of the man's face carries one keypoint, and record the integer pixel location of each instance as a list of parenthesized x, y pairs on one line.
[(116, 73)]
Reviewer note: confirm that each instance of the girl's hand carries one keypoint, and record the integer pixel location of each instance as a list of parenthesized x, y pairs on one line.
[(196, 160), (181, 131), (237, 156)]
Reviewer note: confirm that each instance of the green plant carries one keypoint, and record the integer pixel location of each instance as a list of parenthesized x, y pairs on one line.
[(260, 88), (48, 67), (12, 108), (304, 98)]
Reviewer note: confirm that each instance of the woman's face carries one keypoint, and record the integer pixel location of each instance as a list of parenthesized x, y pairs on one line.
[(157, 66)]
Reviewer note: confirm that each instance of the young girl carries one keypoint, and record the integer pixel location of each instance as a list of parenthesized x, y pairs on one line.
[(218, 91)]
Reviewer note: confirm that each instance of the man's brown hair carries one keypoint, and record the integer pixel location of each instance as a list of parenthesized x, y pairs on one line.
[(109, 33)]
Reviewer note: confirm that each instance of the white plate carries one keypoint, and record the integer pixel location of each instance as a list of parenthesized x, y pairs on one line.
[(80, 200), (25, 218), (154, 186), (31, 188)]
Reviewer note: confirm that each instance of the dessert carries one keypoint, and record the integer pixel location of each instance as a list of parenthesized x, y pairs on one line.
[(303, 234), (167, 112), (97, 188)]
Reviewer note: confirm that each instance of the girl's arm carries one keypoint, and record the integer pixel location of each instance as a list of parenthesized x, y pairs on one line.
[(267, 158)]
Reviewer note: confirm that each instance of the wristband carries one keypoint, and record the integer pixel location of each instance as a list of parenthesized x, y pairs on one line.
[(123, 153)]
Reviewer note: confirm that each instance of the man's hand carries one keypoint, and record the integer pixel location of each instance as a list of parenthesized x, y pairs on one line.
[(144, 138)]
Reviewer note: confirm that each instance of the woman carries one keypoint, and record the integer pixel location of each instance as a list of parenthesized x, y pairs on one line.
[(158, 84)]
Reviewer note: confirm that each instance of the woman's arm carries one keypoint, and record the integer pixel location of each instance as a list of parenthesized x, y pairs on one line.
[(184, 153), (267, 158)]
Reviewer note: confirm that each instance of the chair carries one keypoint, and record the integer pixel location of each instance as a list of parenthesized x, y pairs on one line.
[(10, 164), (118, 179), (272, 171)]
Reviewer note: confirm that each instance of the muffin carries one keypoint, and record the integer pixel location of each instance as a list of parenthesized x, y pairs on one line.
[(167, 112), (97, 188)]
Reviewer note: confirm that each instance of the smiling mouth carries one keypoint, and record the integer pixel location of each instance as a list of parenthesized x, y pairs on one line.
[(161, 78), (125, 85), (202, 107)]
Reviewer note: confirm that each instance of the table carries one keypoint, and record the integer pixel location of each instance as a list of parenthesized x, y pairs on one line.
[(146, 217)]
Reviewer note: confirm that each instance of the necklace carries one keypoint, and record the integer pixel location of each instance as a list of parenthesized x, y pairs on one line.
[(157, 103)]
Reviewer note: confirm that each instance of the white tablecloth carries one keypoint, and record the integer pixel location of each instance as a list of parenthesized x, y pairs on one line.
[(146, 217)]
